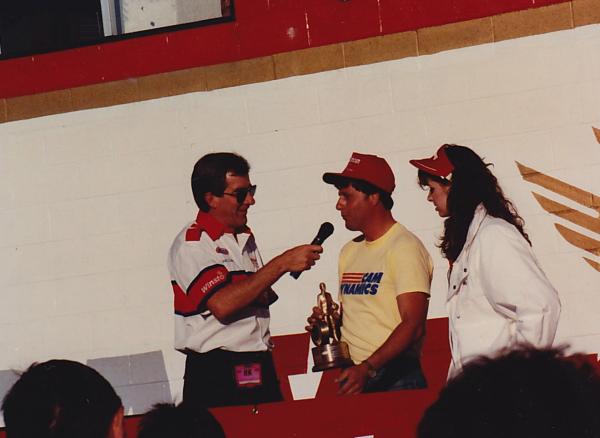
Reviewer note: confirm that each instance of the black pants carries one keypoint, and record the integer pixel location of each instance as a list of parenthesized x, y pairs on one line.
[(210, 379)]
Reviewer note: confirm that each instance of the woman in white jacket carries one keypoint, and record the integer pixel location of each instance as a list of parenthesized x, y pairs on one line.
[(498, 296)]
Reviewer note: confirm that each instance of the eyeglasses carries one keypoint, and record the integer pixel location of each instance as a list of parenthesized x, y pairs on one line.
[(241, 194)]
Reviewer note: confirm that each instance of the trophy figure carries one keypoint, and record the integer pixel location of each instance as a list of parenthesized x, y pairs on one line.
[(330, 351)]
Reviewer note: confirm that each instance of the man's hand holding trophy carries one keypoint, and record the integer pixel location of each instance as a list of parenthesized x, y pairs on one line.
[(324, 326)]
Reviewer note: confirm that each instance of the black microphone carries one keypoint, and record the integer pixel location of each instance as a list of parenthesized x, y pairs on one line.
[(325, 230)]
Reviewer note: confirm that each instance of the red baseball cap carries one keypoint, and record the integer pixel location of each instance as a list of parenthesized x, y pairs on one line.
[(438, 165), (370, 168)]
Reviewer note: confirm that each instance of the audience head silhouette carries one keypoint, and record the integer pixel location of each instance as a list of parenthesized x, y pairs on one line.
[(182, 421), (525, 393), (62, 399)]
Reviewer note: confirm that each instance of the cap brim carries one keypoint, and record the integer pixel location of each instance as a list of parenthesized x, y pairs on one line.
[(334, 178), (425, 166), (341, 179)]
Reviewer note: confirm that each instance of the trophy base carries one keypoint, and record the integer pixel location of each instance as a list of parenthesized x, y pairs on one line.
[(330, 356)]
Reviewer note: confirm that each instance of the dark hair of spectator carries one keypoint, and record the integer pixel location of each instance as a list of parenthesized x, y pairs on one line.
[(60, 399), (182, 421), (368, 189), (472, 183), (210, 172), (526, 393)]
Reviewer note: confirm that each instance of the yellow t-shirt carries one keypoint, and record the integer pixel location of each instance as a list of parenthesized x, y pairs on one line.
[(372, 275)]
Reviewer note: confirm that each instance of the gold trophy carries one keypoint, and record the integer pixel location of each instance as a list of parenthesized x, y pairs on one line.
[(330, 351)]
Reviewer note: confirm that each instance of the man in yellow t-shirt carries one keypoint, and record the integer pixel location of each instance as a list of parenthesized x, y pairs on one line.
[(385, 276)]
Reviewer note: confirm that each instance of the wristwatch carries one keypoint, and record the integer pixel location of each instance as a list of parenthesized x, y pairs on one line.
[(372, 372)]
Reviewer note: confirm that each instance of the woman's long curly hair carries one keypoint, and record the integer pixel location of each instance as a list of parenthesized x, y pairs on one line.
[(472, 183)]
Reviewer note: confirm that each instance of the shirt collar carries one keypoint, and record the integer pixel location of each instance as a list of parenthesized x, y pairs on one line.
[(213, 227)]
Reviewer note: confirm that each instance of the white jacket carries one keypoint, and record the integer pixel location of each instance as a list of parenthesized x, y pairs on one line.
[(498, 295)]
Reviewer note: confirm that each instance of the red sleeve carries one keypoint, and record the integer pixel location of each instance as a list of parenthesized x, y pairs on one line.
[(206, 283)]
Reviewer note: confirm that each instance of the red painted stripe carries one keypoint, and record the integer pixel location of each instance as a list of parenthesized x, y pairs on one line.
[(352, 276), (262, 27), (400, 16)]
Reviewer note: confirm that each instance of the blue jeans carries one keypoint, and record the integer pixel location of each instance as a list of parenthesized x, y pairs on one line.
[(402, 372)]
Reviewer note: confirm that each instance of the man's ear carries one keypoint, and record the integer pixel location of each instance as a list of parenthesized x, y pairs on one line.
[(117, 429), (210, 199), (374, 198)]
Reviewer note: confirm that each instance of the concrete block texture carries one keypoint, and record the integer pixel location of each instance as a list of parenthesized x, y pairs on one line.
[(455, 35), (37, 105), (380, 48), (276, 57), (91, 200), (105, 94), (240, 73), (3, 115), (533, 21), (172, 83), (307, 61), (275, 109), (359, 94), (586, 12)]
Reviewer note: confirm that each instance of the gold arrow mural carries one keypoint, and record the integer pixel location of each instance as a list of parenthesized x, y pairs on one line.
[(569, 214)]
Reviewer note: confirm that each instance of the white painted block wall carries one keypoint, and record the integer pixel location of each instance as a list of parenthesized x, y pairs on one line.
[(90, 201)]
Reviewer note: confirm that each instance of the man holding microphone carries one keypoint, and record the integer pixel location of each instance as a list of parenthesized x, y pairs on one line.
[(222, 290)]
